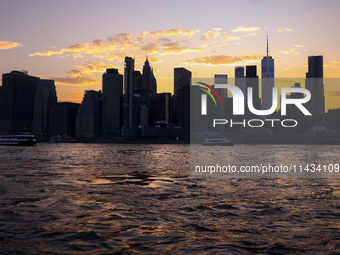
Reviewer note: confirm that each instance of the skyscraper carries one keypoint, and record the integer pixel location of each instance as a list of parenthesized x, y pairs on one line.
[(239, 78), (112, 103), (62, 119), (128, 91), (19, 90), (221, 79), (267, 68), (182, 84), (161, 109), (149, 80), (252, 81), (0, 102), (182, 78), (45, 96), (314, 83), (89, 116)]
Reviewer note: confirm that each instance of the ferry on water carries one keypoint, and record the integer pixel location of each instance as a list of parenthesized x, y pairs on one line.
[(19, 140), (220, 141)]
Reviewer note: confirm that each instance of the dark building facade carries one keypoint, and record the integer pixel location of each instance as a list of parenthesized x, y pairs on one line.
[(182, 78), (183, 107), (89, 116), (112, 103), (252, 81), (45, 96), (239, 78), (149, 80), (293, 113), (333, 120), (128, 91), (19, 90), (161, 113), (314, 83), (62, 119), (0, 102)]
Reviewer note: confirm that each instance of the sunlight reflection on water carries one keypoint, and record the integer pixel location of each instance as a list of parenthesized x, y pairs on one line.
[(104, 198)]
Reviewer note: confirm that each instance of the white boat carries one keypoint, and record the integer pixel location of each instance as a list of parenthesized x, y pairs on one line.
[(217, 142), (26, 139)]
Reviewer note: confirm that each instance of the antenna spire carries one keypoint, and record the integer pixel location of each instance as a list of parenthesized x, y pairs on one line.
[(267, 48)]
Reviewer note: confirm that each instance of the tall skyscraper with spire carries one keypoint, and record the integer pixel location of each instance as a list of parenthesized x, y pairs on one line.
[(149, 80), (267, 75)]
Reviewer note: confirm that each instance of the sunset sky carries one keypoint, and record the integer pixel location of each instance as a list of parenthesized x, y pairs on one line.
[(73, 42)]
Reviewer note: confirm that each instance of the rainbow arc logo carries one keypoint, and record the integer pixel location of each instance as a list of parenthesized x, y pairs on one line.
[(202, 87)]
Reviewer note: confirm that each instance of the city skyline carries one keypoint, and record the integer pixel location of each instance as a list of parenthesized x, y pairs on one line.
[(81, 46)]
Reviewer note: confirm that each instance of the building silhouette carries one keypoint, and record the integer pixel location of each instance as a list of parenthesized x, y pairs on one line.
[(183, 107), (182, 78), (112, 103), (314, 83), (89, 116), (62, 119), (252, 81), (0, 103), (267, 75), (19, 90), (149, 80), (161, 113), (128, 91), (239, 79), (293, 113), (45, 96), (182, 84), (333, 120)]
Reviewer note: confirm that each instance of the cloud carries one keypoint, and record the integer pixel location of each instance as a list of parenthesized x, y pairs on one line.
[(172, 32), (217, 60), (245, 29), (47, 53), (126, 43), (230, 38), (300, 45), (5, 45), (210, 35), (332, 94), (282, 29), (251, 34), (290, 51), (336, 62), (76, 81), (90, 67)]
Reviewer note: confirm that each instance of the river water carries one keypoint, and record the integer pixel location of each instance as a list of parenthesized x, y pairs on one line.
[(122, 198)]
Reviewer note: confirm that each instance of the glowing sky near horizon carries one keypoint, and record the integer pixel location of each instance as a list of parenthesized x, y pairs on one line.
[(73, 42)]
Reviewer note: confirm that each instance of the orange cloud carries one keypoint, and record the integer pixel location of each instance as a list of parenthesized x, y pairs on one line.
[(172, 32), (76, 81), (332, 94), (282, 29), (225, 60), (230, 38), (290, 51), (251, 34), (47, 53), (5, 45), (89, 67), (210, 35), (245, 29)]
